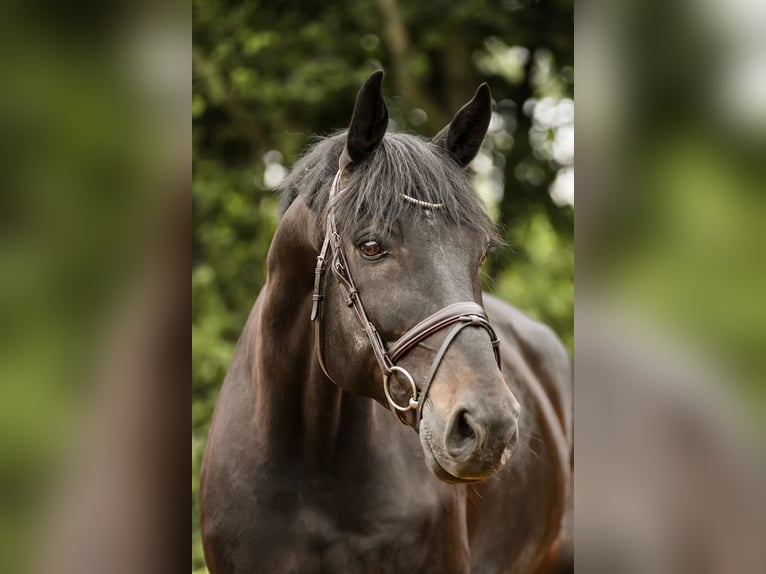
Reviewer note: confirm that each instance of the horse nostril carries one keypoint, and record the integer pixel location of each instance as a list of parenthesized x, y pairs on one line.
[(461, 440), (464, 428)]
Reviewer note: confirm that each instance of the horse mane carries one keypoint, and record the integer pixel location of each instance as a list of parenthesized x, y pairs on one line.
[(401, 164)]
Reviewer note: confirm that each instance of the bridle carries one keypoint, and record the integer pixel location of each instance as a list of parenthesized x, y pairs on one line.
[(458, 315)]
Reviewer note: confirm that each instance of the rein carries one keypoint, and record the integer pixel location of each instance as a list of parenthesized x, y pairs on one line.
[(461, 315)]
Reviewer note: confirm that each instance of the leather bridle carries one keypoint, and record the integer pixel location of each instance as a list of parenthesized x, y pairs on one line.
[(458, 315)]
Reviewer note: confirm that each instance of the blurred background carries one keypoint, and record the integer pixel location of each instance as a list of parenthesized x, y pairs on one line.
[(671, 287), (95, 213), (269, 77), (94, 253)]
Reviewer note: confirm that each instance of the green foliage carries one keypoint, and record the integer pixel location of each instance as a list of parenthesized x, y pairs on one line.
[(539, 279), (266, 75)]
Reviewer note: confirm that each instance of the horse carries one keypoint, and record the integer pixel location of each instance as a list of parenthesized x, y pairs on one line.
[(372, 306)]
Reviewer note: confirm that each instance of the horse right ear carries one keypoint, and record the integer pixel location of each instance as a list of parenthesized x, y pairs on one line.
[(369, 121), (462, 137)]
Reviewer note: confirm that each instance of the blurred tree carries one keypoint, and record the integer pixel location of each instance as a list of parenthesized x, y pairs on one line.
[(266, 75)]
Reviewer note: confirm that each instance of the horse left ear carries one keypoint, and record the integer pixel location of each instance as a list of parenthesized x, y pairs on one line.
[(369, 121), (462, 137)]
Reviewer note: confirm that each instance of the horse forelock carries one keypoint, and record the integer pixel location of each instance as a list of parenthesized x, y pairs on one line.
[(402, 164)]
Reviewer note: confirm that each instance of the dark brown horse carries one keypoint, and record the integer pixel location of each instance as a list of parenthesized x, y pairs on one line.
[(373, 298)]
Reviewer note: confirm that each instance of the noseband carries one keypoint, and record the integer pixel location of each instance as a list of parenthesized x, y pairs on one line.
[(458, 315)]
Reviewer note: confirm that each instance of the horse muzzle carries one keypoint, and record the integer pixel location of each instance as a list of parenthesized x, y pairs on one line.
[(470, 443)]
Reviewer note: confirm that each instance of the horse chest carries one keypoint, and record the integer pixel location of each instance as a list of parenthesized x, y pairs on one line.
[(339, 530)]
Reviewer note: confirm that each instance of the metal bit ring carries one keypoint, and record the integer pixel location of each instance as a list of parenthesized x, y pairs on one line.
[(413, 403)]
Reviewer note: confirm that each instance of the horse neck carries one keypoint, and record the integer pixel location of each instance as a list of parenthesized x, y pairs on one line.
[(299, 411)]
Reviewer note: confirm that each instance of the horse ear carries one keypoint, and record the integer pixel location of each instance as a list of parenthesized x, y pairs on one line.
[(369, 121), (462, 137)]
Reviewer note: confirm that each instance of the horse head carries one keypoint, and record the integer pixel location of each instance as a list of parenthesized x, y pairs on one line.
[(401, 235)]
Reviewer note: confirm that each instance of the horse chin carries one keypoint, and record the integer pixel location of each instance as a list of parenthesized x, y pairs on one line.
[(435, 467)]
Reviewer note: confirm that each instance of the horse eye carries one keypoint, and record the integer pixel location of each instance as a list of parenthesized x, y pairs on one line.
[(371, 249)]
